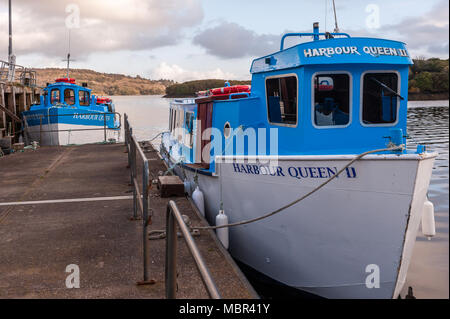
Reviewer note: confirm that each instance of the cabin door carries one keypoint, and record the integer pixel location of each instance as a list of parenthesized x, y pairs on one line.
[(204, 123)]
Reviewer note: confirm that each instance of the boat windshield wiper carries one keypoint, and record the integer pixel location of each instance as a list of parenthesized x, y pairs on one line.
[(387, 88)]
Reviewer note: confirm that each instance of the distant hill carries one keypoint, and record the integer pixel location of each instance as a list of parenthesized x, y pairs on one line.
[(106, 83), (188, 89)]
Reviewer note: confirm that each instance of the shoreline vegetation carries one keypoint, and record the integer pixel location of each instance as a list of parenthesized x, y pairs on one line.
[(428, 80), (188, 89)]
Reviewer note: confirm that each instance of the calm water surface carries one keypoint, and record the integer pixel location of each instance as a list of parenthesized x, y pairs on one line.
[(427, 124)]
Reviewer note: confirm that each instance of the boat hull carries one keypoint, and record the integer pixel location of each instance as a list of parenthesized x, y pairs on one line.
[(69, 127), (329, 243)]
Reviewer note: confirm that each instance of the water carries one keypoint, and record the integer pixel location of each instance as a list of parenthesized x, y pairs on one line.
[(428, 273), (427, 124)]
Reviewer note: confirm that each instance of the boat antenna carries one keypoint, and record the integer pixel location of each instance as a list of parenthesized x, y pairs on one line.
[(68, 58), (336, 28)]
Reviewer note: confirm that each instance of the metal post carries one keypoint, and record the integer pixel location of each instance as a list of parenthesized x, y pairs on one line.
[(133, 176), (104, 125), (135, 146), (10, 31), (146, 220), (171, 255), (40, 130)]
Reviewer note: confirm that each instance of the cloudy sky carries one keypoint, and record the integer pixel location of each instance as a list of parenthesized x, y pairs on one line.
[(193, 39)]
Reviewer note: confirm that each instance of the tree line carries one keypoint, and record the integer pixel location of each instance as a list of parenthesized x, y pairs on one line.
[(189, 88), (428, 76)]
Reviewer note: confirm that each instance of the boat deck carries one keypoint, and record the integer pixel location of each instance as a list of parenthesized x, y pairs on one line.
[(38, 241)]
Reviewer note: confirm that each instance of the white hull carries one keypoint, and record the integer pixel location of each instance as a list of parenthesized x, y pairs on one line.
[(323, 244), (66, 134)]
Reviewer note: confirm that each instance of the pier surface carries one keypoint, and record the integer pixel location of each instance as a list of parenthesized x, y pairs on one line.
[(39, 240)]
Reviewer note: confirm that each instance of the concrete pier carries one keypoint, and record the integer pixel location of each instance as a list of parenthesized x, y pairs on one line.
[(85, 222)]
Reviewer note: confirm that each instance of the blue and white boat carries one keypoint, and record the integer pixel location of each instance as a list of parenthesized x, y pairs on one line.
[(312, 109), (71, 114)]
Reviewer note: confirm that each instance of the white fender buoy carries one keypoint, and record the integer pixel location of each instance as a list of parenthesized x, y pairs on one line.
[(199, 200), (222, 233), (428, 224), (187, 186)]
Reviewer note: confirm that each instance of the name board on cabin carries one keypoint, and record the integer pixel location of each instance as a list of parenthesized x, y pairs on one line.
[(353, 50)]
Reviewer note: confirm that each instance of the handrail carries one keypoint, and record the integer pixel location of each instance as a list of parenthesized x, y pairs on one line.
[(139, 200), (311, 34), (238, 93), (174, 217)]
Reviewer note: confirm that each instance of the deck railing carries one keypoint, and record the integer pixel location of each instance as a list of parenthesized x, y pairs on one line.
[(173, 217)]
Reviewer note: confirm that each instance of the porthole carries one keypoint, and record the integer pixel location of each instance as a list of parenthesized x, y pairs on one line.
[(227, 130)]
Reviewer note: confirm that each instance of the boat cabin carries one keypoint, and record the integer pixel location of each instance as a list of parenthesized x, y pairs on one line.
[(66, 93), (333, 95)]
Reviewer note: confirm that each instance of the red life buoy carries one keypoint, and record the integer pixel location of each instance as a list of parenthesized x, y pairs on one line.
[(65, 80), (230, 89), (103, 100)]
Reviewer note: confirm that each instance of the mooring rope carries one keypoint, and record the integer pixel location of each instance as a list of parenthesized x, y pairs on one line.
[(358, 157)]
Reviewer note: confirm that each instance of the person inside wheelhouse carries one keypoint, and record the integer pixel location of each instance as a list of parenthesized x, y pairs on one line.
[(331, 99)]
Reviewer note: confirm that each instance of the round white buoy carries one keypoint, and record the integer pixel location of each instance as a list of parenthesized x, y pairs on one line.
[(222, 233), (199, 201), (428, 224)]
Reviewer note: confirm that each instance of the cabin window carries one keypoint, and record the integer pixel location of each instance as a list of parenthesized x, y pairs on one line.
[(282, 100), (175, 122), (84, 98), (189, 124), (179, 125), (380, 98), (331, 99), (170, 120), (69, 96), (54, 96)]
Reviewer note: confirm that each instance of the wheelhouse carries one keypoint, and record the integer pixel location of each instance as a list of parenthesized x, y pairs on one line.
[(66, 94), (333, 95)]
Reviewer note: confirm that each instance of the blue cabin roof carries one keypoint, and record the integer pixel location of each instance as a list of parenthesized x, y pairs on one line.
[(335, 51)]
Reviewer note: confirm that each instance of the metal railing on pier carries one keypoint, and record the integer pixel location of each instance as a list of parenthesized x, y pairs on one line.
[(140, 195), (11, 72), (173, 217)]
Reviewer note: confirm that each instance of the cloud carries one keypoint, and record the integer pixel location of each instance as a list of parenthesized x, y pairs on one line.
[(426, 34), (230, 40), (177, 73), (104, 25)]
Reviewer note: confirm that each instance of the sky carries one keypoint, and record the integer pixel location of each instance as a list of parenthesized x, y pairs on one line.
[(185, 40)]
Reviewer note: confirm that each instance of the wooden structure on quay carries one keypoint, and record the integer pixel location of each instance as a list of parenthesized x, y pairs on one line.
[(18, 91)]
